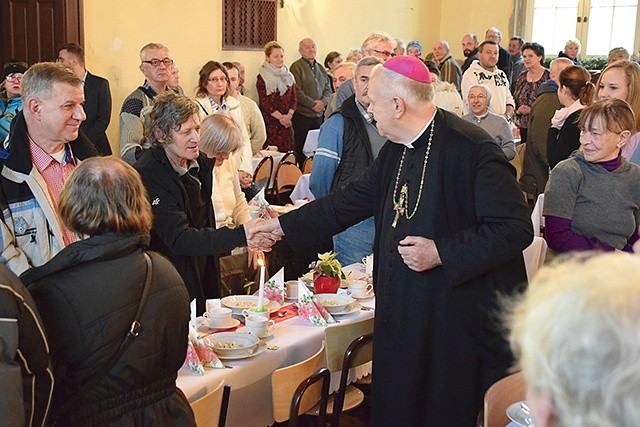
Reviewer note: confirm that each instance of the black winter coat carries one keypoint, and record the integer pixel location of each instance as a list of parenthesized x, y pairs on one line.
[(88, 296)]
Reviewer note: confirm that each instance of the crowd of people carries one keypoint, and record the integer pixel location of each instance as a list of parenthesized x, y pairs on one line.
[(402, 134)]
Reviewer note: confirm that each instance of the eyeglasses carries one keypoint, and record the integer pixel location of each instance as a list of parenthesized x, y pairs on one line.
[(384, 52), (480, 97), (156, 62), (13, 78), (218, 79)]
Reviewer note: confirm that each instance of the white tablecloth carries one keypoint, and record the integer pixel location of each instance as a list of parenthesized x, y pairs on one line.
[(250, 379), (311, 143), (277, 156), (301, 190)]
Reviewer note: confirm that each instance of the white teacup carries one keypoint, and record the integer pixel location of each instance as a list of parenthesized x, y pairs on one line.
[(218, 317), (251, 312), (254, 212), (368, 264), (259, 326), (360, 289), (291, 289)]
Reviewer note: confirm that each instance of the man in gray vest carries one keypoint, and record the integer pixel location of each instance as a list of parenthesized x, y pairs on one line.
[(348, 143)]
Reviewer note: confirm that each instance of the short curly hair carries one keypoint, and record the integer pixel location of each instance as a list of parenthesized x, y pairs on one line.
[(170, 110)]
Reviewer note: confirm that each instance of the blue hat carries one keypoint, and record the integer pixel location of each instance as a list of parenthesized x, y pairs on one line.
[(415, 43)]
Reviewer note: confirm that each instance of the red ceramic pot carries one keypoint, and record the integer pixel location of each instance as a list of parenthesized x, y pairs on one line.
[(326, 284)]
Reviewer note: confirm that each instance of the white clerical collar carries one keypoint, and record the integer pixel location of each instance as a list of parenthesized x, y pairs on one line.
[(423, 130)]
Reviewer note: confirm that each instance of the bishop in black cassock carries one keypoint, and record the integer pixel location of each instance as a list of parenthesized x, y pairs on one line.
[(456, 245)]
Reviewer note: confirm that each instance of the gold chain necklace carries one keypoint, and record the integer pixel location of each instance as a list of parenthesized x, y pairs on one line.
[(401, 205)]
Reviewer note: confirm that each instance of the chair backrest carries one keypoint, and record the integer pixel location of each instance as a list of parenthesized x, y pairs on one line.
[(289, 156), (322, 374), (263, 172), (285, 381), (306, 166), (499, 396), (339, 337), (287, 176), (211, 409), (359, 351)]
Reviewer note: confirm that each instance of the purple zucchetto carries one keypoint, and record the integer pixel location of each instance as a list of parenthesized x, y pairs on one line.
[(409, 66)]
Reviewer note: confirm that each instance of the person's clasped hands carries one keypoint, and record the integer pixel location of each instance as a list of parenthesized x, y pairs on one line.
[(262, 234)]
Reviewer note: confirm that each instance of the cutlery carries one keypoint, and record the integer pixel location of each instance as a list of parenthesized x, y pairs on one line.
[(363, 308), (282, 313)]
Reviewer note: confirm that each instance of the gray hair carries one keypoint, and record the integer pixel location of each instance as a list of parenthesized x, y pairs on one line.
[(411, 91), (577, 338), (444, 43), (219, 134), (170, 110), (367, 61), (37, 81), (377, 37), (485, 88), (150, 46)]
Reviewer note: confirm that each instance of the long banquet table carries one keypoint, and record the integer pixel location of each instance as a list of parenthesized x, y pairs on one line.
[(250, 379)]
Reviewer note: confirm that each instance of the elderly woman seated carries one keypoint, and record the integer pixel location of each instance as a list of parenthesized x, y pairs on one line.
[(577, 339), (90, 293), (592, 199), (496, 125)]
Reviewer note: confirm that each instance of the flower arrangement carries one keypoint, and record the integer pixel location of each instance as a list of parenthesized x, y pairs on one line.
[(327, 265)]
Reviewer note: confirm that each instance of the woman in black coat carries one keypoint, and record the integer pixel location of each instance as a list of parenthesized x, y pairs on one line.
[(575, 93), (90, 293)]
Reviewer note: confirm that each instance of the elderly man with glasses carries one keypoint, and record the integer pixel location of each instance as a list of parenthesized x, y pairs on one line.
[(156, 66)]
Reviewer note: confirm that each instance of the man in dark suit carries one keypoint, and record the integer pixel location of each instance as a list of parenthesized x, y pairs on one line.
[(97, 105)]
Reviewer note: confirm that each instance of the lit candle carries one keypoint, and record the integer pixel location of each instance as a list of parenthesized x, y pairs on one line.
[(261, 290)]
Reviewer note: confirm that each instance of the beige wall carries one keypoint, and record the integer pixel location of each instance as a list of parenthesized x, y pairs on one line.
[(116, 29), (457, 19)]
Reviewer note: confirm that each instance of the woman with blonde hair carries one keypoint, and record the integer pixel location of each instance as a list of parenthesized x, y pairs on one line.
[(91, 293), (277, 94), (621, 80), (571, 51), (574, 93), (577, 341), (220, 137), (592, 199)]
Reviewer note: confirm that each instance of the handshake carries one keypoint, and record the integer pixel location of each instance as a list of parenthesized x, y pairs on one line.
[(262, 234)]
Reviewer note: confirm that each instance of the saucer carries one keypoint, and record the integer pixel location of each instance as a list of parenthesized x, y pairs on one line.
[(364, 298), (204, 324), (517, 414), (354, 307), (244, 330)]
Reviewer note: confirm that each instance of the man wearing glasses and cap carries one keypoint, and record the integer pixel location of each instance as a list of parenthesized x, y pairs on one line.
[(155, 64), (450, 225)]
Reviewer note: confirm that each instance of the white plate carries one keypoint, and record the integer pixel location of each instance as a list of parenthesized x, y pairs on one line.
[(244, 330), (261, 348), (204, 324), (354, 307), (283, 209), (518, 415), (237, 303), (242, 343), (334, 303)]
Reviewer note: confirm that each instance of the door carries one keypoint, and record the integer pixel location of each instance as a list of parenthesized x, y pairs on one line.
[(33, 29)]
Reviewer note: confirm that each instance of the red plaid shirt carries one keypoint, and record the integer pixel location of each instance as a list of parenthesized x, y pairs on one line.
[(55, 174)]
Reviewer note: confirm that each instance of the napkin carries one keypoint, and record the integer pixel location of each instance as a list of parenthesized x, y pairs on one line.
[(310, 309), (265, 211), (193, 312), (199, 354), (274, 287)]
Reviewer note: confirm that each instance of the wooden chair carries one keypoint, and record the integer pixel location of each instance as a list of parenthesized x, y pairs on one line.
[(306, 166), (289, 156), (287, 176), (360, 351), (322, 374), (285, 383), (499, 396), (339, 338), (211, 409), (263, 172)]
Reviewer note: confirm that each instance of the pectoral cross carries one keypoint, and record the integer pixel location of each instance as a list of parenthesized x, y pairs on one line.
[(399, 205)]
